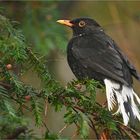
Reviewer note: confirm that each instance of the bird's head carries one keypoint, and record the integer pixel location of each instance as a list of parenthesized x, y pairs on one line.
[(81, 25)]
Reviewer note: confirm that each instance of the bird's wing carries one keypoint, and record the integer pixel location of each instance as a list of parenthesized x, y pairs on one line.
[(99, 56), (132, 68)]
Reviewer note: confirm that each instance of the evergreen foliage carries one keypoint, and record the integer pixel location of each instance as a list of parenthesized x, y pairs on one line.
[(78, 98)]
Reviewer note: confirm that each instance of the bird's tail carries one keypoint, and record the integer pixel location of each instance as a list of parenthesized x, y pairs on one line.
[(123, 96)]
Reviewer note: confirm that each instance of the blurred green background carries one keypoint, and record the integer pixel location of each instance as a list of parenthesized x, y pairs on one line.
[(37, 20)]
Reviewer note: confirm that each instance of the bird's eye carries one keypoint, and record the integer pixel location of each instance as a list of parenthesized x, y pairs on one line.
[(82, 23)]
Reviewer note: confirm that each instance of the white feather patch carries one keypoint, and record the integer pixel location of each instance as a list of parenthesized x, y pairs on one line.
[(118, 95)]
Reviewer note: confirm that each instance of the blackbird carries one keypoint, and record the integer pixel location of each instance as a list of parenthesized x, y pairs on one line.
[(92, 54)]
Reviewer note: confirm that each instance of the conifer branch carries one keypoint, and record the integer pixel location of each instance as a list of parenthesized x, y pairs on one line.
[(80, 105)]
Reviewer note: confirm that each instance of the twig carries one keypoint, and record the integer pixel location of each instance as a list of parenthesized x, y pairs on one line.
[(7, 86), (46, 107), (82, 110), (130, 129), (74, 135), (45, 126), (24, 106), (127, 130), (91, 124), (104, 135), (93, 128), (63, 129)]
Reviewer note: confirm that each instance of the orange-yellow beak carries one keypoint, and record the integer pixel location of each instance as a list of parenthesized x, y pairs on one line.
[(65, 22)]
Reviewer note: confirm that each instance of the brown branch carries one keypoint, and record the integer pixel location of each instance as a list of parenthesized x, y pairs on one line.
[(91, 124), (125, 129), (23, 105), (93, 128), (7, 86), (105, 135), (126, 132), (129, 131)]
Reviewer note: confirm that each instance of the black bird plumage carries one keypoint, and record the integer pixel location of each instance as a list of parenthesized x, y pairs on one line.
[(92, 54)]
